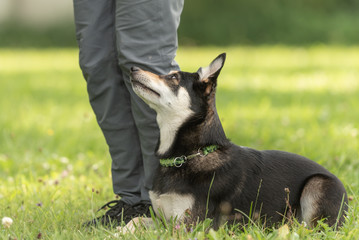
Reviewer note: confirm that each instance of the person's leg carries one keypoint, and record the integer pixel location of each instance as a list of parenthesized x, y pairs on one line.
[(146, 34), (109, 97)]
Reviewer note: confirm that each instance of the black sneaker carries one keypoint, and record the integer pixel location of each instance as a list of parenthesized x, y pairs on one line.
[(119, 211), (138, 210)]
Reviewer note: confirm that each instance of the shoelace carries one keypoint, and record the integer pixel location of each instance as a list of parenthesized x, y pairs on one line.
[(115, 207), (116, 203), (142, 208)]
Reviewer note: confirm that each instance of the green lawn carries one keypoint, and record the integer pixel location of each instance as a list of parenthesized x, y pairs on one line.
[(54, 165)]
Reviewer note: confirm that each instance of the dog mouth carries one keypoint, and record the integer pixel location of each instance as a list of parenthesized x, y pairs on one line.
[(142, 86)]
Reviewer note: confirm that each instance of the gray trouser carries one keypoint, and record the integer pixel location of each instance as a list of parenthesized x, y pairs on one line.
[(114, 35)]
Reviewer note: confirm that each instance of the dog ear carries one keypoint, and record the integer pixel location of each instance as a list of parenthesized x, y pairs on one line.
[(208, 75)]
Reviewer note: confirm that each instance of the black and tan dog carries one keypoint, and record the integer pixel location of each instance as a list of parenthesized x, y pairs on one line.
[(203, 174)]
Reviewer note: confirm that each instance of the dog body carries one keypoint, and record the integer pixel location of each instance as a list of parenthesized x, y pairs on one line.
[(230, 183)]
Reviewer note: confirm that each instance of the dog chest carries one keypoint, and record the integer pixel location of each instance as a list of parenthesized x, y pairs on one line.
[(171, 204)]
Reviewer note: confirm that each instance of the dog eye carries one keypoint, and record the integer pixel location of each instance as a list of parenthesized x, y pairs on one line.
[(173, 76)]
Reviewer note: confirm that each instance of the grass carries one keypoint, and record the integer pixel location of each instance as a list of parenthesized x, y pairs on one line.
[(54, 165)]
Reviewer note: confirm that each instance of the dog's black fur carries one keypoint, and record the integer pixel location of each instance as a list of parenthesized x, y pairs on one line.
[(268, 185)]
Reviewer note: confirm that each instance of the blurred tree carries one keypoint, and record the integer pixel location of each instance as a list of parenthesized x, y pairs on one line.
[(270, 22), (47, 23)]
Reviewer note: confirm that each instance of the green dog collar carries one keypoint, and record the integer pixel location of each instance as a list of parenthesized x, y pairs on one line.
[(178, 161)]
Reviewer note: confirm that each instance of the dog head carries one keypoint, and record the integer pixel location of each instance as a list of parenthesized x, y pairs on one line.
[(178, 97), (177, 91)]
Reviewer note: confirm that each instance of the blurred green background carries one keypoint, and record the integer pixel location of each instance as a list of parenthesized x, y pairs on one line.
[(49, 23), (290, 83)]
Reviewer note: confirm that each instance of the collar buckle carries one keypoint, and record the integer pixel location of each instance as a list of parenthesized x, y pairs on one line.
[(178, 161)]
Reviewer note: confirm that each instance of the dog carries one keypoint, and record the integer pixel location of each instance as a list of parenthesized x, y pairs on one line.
[(203, 175)]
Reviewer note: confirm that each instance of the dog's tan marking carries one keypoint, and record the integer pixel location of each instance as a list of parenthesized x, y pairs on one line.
[(227, 213), (225, 207), (208, 89), (311, 198), (256, 216), (148, 75)]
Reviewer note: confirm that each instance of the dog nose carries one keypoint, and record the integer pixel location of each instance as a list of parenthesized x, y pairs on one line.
[(135, 69)]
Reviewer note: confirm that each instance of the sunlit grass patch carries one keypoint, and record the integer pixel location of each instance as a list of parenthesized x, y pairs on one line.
[(54, 165)]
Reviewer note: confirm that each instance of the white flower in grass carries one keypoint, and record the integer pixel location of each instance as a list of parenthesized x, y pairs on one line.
[(6, 222)]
